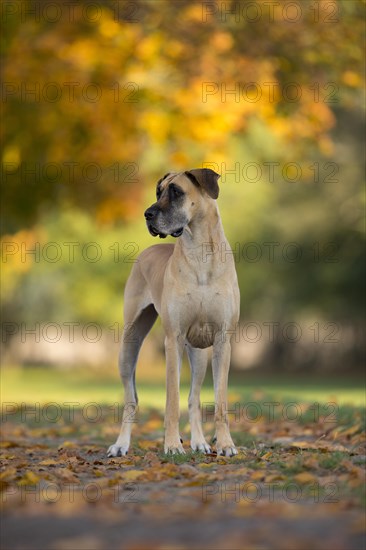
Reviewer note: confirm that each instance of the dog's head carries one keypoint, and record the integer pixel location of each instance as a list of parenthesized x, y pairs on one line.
[(179, 197)]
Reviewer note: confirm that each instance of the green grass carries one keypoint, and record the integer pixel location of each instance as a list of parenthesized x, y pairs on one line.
[(332, 461), (44, 385)]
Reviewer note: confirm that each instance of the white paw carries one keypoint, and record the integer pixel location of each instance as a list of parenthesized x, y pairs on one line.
[(200, 446), (117, 450), (174, 449), (226, 450)]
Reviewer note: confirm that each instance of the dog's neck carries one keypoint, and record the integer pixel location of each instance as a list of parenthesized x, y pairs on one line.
[(201, 241)]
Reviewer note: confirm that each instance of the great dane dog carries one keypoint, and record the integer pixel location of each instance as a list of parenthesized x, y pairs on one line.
[(195, 291)]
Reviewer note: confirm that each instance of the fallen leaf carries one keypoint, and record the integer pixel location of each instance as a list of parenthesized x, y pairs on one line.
[(321, 446), (67, 445), (8, 474), (8, 444), (274, 477), (147, 444), (48, 462), (131, 475), (305, 477), (257, 476), (66, 475), (29, 478), (151, 458), (352, 430), (267, 455)]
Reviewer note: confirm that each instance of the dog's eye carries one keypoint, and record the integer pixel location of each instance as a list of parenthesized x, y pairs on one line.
[(175, 190), (158, 193)]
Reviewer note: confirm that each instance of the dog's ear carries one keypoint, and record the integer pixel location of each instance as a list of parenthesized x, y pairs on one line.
[(163, 178), (205, 178)]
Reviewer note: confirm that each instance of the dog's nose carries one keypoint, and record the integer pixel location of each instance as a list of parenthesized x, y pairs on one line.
[(149, 214)]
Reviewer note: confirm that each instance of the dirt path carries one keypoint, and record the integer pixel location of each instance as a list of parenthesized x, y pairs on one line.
[(292, 486)]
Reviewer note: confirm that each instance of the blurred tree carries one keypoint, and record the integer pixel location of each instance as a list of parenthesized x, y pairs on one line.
[(95, 106), (100, 99)]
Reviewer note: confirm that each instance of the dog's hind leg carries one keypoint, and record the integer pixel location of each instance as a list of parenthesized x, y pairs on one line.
[(198, 363), (137, 325)]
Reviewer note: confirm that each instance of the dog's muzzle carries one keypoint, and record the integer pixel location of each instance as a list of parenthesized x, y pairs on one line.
[(150, 214)]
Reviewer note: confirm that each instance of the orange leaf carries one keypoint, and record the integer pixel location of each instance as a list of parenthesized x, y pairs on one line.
[(257, 476), (131, 475), (8, 474), (29, 478), (305, 477)]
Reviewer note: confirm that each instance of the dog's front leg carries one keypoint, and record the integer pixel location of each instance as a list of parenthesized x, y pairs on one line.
[(220, 369), (173, 353), (198, 363)]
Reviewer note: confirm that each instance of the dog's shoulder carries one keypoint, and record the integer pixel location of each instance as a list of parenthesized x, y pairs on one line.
[(157, 251), (153, 260)]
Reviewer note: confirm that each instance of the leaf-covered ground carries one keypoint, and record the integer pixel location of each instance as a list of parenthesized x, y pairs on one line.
[(297, 482)]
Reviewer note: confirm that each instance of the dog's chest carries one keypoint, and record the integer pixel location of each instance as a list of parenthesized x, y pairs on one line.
[(207, 313)]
